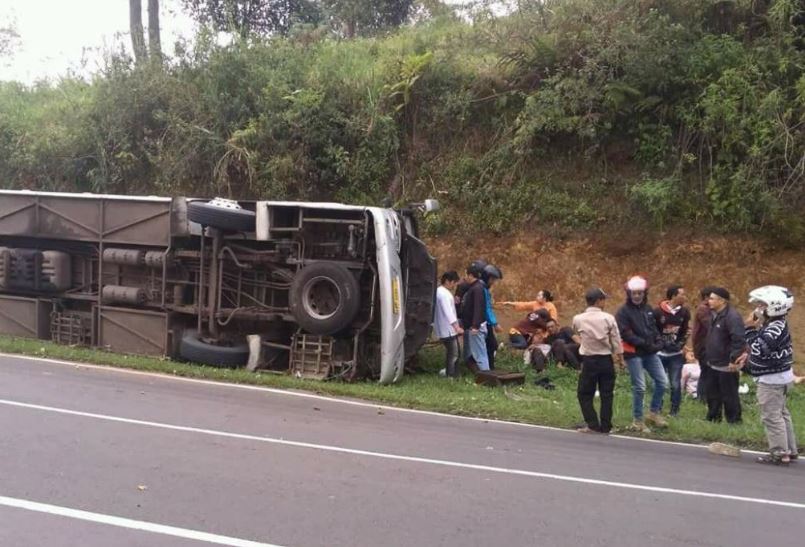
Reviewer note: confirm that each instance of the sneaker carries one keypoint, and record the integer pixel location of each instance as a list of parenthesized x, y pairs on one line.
[(640, 426), (773, 459), (584, 428), (656, 419)]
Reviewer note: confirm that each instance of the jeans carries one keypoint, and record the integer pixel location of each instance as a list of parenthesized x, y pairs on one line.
[(518, 341), (673, 368), (597, 371), (451, 357), (649, 363), (475, 348), (776, 418), (722, 392)]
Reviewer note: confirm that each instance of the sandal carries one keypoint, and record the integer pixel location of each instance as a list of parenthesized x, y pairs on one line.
[(771, 459)]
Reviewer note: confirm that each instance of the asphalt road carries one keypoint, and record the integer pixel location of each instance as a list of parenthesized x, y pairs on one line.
[(99, 457)]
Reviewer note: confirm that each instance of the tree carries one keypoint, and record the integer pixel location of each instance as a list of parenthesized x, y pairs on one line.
[(137, 32), (8, 40), (141, 52), (154, 42), (247, 17), (361, 17)]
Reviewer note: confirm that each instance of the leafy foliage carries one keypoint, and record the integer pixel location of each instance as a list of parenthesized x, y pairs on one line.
[(559, 114), (247, 17)]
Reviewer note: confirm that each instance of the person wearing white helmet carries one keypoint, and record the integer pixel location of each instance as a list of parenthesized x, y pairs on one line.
[(770, 361), (641, 342)]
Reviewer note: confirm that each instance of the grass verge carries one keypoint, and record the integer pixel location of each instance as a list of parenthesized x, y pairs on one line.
[(428, 391)]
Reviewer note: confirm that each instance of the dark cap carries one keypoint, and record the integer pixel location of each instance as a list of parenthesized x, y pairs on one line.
[(720, 291), (594, 295)]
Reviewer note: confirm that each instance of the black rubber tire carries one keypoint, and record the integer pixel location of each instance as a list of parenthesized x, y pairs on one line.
[(197, 351), (342, 305), (236, 220)]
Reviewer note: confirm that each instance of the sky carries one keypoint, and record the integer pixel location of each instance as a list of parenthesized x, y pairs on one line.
[(61, 36)]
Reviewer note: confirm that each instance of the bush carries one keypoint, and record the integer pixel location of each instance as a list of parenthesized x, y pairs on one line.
[(705, 100)]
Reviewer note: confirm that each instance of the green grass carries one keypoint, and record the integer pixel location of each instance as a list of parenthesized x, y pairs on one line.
[(428, 391)]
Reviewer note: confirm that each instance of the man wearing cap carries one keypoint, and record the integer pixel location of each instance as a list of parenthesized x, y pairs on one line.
[(600, 344), (724, 348), (641, 342)]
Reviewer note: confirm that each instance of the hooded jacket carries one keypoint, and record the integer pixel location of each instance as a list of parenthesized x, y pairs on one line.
[(638, 328), (673, 324)]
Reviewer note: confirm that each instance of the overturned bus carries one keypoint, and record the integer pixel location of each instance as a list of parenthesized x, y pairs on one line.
[(322, 290)]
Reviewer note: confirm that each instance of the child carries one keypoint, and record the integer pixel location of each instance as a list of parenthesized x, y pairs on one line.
[(691, 372)]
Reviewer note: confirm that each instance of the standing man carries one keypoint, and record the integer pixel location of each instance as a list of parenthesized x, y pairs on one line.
[(473, 320), (445, 322), (641, 342), (491, 275), (600, 344), (770, 361), (724, 344), (673, 320), (701, 326)]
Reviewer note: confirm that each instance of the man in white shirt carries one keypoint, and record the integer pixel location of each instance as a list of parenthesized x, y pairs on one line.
[(445, 322)]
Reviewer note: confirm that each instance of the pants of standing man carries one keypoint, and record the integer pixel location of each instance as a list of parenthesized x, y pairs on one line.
[(491, 347), (650, 363), (452, 354), (701, 387), (776, 418), (722, 393), (597, 371), (475, 349), (673, 368)]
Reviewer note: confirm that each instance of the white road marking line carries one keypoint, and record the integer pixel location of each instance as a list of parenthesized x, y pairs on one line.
[(304, 395), (122, 522), (399, 457)]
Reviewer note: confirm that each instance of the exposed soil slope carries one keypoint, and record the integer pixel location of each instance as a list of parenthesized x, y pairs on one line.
[(568, 267)]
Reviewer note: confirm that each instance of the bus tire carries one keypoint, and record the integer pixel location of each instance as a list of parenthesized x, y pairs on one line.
[(324, 298), (193, 349)]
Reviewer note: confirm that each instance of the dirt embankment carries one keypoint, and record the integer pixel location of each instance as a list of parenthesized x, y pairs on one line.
[(567, 267)]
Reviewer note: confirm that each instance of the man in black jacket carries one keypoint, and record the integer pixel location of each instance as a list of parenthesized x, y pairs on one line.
[(724, 345), (673, 320), (473, 320), (641, 342)]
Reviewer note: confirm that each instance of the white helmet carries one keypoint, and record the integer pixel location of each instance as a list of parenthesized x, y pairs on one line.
[(778, 300), (636, 283)]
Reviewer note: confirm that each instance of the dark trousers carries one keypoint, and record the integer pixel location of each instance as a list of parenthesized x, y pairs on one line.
[(722, 393), (701, 387), (564, 352), (452, 355), (597, 371), (491, 346)]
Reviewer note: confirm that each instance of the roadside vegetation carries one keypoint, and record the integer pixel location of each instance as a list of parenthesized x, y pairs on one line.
[(570, 113), (426, 390)]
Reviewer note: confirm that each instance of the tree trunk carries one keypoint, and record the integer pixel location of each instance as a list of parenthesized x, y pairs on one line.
[(154, 43), (137, 33)]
